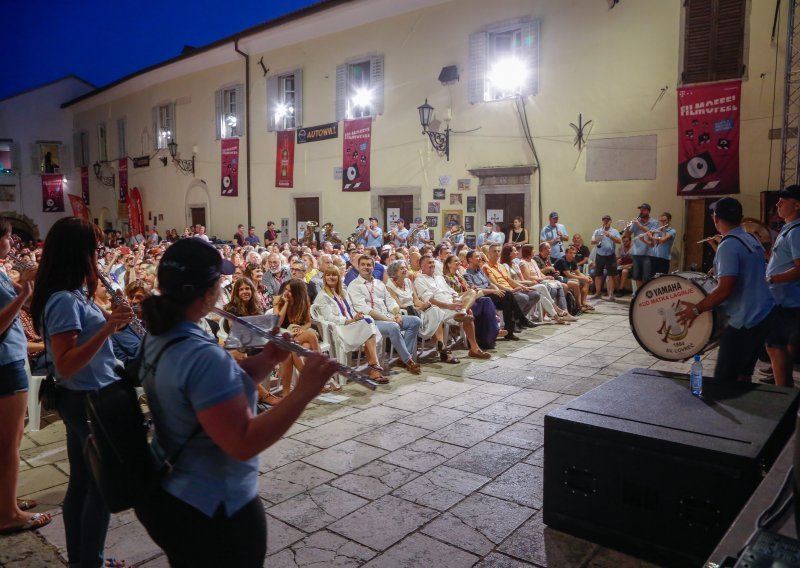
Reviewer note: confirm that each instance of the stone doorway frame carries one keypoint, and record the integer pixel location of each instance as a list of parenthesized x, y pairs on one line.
[(506, 179)]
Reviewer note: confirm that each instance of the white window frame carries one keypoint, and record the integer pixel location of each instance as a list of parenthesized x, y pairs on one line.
[(80, 141), (347, 86), (164, 125), (230, 112), (13, 156), (57, 150), (279, 88), (102, 141), (122, 137)]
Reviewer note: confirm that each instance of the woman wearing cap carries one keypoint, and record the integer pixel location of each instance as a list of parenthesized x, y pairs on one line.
[(77, 336), (207, 511)]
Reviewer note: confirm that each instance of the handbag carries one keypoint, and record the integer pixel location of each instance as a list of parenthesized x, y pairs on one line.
[(48, 390)]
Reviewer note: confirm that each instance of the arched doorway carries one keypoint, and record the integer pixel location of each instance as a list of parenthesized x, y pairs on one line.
[(23, 226), (197, 206)]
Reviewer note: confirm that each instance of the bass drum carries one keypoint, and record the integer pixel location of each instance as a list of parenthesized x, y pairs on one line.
[(654, 321)]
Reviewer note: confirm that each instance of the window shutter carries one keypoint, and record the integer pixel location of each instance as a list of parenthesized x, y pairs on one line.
[(218, 113), (272, 100), (241, 111), (173, 117), (477, 67), (341, 92), (76, 143), (16, 158), (36, 161), (697, 46), (298, 98), (63, 158), (376, 84), (728, 52), (713, 40), (530, 53), (155, 128)]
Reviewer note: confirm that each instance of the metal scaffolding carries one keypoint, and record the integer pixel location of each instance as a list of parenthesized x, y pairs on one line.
[(790, 141)]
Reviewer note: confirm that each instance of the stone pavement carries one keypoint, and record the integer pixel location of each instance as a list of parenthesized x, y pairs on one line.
[(440, 470)]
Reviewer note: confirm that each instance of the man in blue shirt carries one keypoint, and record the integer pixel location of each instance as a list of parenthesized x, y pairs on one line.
[(783, 277), (742, 292), (251, 237), (556, 234), (606, 239), (374, 234), (453, 235), (642, 258), (660, 242)]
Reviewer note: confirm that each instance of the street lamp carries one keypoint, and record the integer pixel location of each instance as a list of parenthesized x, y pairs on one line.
[(186, 166), (106, 181), (439, 141)]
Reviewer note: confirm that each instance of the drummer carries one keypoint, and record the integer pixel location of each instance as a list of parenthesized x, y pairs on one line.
[(741, 291)]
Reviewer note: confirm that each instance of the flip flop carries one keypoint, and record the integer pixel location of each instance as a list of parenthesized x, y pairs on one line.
[(114, 563), (26, 504), (37, 521)]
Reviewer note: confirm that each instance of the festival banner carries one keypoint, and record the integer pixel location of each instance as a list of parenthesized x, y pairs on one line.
[(708, 138), (230, 167), (357, 135), (135, 212), (53, 193), (78, 206), (284, 159), (85, 185), (123, 180)]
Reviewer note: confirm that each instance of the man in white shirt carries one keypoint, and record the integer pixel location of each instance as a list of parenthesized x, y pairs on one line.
[(369, 296), (442, 251), (490, 235), (433, 288)]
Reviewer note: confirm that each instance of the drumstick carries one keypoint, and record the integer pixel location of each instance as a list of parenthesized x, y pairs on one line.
[(288, 345)]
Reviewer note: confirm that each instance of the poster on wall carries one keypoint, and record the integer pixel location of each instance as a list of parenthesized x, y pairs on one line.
[(470, 241), (284, 159), (53, 193), (392, 215), (136, 212), (494, 215), (463, 184), (123, 180), (78, 207), (85, 185), (432, 221), (450, 216), (434, 207), (469, 223), (472, 204), (708, 139), (438, 193), (355, 163), (229, 176)]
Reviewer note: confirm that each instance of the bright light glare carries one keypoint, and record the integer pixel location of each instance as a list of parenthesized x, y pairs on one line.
[(508, 75), (283, 110), (231, 121), (362, 98)]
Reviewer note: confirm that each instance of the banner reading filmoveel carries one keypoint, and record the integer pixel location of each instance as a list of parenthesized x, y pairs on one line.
[(85, 185), (230, 167), (284, 159), (53, 193), (123, 180), (357, 133), (708, 138)]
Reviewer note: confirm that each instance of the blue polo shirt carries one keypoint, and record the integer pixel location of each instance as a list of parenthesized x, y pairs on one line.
[(784, 252), (192, 376), (751, 301), (550, 232), (606, 246), (376, 242), (640, 247), (664, 250), (401, 234), (15, 346)]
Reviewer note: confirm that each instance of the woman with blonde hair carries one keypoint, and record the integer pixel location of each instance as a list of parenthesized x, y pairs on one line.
[(353, 328)]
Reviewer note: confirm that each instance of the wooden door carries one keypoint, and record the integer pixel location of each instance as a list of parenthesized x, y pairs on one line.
[(511, 204), (198, 216), (699, 226), (306, 209), (405, 205)]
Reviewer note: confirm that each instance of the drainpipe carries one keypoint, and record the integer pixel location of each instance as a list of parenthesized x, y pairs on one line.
[(247, 124)]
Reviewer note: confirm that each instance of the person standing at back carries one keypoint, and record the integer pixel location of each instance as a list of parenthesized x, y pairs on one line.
[(606, 239), (555, 234), (642, 256)]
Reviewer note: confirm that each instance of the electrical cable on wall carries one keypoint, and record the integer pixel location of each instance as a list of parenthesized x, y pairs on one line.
[(522, 113)]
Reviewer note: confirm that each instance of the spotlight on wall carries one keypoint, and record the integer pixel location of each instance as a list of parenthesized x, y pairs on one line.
[(507, 77), (439, 141), (107, 181), (186, 166), (362, 98)]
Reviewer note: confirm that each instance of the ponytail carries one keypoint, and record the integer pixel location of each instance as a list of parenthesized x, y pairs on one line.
[(163, 313)]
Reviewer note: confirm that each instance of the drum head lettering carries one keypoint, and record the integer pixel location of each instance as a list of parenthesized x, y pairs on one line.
[(654, 321)]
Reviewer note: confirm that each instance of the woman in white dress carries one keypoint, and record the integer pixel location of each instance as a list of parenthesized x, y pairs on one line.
[(353, 329), (402, 290)]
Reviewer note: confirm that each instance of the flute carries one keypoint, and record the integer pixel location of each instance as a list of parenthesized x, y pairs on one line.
[(280, 341), (709, 239), (19, 264), (117, 298)]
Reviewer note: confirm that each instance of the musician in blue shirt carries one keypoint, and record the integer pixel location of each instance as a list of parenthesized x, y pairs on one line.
[(742, 292), (638, 229), (374, 234), (660, 242), (556, 234)]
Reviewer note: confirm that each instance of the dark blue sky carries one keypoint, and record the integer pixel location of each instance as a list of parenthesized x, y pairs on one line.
[(101, 41)]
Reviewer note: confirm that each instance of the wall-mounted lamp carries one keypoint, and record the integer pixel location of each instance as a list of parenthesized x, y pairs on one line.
[(439, 141), (98, 173), (186, 166)]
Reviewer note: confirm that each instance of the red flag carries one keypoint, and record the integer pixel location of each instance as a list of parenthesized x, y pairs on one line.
[(123, 180), (357, 135), (85, 184), (284, 160), (135, 211), (78, 206)]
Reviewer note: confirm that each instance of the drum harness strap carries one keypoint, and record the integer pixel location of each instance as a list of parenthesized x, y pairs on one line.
[(744, 244)]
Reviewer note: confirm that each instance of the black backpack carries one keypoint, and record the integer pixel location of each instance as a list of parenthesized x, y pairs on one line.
[(117, 450), (572, 304)]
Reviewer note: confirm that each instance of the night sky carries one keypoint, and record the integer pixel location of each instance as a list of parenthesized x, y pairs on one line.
[(101, 41)]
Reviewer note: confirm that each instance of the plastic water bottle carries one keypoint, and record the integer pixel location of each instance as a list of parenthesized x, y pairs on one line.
[(696, 377)]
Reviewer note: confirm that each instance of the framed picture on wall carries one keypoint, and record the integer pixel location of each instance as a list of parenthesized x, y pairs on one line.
[(472, 204), (432, 221), (433, 207), (455, 199), (451, 215), (469, 223), (470, 241), (438, 193)]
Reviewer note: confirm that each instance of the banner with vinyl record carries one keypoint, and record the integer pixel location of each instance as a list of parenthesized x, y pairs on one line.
[(53, 193), (708, 138), (78, 206), (230, 167), (284, 159), (355, 165), (85, 185), (123, 180)]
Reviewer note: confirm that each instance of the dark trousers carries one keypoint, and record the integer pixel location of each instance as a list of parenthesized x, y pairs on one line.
[(85, 513), (191, 539), (512, 313)]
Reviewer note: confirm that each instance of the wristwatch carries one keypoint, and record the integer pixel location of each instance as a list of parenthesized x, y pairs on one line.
[(695, 311)]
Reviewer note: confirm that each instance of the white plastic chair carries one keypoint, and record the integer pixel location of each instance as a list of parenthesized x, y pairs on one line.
[(329, 340), (34, 408)]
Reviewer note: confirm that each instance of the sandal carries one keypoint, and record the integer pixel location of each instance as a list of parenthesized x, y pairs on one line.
[(447, 357), (26, 504), (376, 374), (37, 521), (114, 563)]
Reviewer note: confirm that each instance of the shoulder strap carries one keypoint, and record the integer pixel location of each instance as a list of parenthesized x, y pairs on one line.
[(744, 244)]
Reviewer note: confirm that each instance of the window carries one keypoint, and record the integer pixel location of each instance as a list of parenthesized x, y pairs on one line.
[(122, 134), (504, 61), (102, 141), (80, 141), (713, 40), (359, 88), (8, 159), (230, 112), (285, 101), (164, 125), (47, 157)]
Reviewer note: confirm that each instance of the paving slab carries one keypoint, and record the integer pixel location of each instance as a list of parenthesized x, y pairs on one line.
[(420, 550)]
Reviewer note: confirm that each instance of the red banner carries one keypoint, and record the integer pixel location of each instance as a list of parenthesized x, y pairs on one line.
[(284, 159), (78, 207), (708, 134), (53, 193), (135, 211), (355, 170), (230, 167), (85, 185), (123, 180)]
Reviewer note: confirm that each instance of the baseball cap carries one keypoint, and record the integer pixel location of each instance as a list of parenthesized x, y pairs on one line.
[(125, 250), (191, 264), (791, 192), (400, 220), (645, 206), (372, 219), (606, 217), (452, 224), (727, 209), (554, 215), (418, 219)]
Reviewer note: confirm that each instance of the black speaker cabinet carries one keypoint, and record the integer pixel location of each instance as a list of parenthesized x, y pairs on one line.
[(641, 465)]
